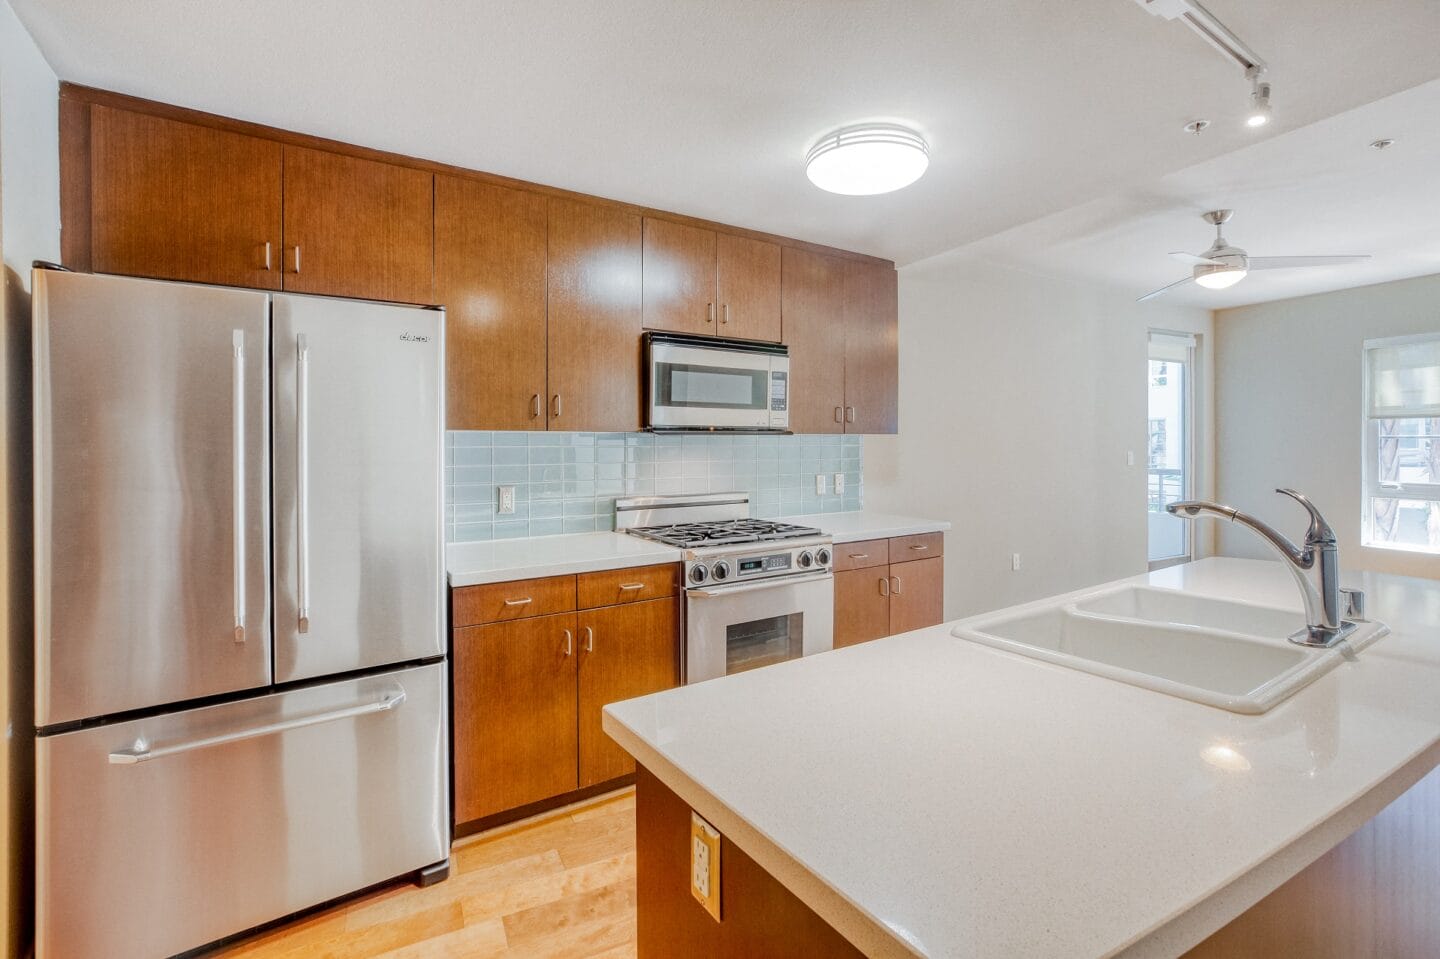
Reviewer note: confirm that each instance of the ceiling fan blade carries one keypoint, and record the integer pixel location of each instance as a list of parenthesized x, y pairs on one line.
[(1164, 289), (1191, 259), (1286, 262)]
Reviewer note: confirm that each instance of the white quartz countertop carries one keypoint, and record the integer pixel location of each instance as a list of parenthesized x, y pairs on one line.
[(931, 796), (498, 561), (471, 564), (866, 524)]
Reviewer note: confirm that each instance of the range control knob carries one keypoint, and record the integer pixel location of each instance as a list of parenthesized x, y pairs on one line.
[(699, 574), (721, 569), (822, 556), (805, 560)]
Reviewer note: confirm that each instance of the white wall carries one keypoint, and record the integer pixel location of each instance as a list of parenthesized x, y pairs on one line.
[(1288, 385), (29, 230), (1020, 396)]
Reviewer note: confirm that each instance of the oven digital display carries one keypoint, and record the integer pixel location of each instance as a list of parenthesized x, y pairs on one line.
[(764, 564)]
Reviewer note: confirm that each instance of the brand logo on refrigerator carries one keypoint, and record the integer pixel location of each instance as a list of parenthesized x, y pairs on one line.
[(414, 338)]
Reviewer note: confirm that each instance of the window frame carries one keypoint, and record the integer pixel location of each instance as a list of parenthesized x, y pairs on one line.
[(1190, 447), (1370, 482)]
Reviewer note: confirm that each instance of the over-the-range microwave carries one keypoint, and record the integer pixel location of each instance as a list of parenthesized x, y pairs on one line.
[(706, 383)]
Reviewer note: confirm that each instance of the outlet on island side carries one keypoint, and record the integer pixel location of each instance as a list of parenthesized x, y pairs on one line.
[(705, 864), (1015, 562)]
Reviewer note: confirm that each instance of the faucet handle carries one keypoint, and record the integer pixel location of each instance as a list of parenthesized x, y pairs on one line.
[(1352, 604), (1320, 532)]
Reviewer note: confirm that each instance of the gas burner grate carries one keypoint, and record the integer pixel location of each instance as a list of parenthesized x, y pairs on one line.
[(726, 533)]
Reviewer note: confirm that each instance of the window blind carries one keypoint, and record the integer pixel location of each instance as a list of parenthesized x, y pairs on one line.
[(1404, 378), (1170, 346)]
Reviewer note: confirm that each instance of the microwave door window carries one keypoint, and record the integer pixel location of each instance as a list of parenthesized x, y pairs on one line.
[(692, 386), (763, 642)]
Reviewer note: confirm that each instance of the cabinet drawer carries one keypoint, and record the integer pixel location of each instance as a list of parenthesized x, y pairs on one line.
[(922, 546), (498, 602), (612, 587), (861, 555)]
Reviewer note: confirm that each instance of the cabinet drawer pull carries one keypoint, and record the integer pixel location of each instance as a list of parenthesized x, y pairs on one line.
[(895, 585), (884, 586), (519, 602), (920, 546), (627, 587), (589, 640), (569, 643), (859, 555)]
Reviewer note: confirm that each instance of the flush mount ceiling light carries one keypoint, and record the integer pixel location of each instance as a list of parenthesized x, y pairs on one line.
[(867, 159)]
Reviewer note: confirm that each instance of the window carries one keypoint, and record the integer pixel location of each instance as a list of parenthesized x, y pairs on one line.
[(1402, 443), (1168, 464)]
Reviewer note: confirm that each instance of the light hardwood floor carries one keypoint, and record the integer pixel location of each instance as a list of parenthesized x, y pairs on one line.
[(558, 885)]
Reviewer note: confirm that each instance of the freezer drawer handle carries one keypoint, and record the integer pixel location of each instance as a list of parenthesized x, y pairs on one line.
[(142, 751), (237, 513), (302, 480), (751, 587)]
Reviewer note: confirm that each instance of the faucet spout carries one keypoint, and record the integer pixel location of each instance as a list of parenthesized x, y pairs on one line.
[(1315, 566)]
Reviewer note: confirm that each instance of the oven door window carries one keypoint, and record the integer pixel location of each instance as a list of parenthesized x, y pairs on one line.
[(762, 642), (693, 386)]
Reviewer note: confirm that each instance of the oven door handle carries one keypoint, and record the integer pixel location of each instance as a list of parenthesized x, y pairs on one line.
[(770, 583)]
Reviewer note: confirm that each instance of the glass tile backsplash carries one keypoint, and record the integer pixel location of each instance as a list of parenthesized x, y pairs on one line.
[(568, 482)]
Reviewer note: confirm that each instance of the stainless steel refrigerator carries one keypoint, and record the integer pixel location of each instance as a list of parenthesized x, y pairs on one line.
[(240, 685)]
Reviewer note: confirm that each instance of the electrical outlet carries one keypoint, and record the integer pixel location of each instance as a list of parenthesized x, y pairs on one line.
[(1129, 457), (705, 864), (507, 500), (820, 484), (1015, 562), (839, 483)]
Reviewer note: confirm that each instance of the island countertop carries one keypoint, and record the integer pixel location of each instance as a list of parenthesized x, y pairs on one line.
[(931, 796)]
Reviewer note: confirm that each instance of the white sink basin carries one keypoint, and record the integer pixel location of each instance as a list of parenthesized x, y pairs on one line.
[(1227, 654)]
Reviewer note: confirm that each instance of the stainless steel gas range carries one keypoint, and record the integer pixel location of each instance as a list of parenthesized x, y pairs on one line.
[(757, 592)]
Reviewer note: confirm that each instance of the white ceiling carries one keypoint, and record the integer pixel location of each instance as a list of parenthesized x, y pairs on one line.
[(1031, 106)]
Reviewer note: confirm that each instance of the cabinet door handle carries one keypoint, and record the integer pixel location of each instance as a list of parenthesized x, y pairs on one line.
[(859, 555), (302, 482), (849, 411), (884, 586), (569, 643), (297, 258), (628, 587), (895, 585), (709, 312), (920, 547), (589, 640), (535, 406), (838, 417), (237, 445), (727, 314), (267, 256), (519, 602), (557, 406)]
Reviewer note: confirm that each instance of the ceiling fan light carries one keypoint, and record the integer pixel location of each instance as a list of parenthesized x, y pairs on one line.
[(868, 159), (1219, 277)]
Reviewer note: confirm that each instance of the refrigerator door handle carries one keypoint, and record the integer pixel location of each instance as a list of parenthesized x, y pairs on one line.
[(302, 480), (237, 353), (142, 751)]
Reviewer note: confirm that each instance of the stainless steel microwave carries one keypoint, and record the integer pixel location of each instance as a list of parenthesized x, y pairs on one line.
[(706, 383)]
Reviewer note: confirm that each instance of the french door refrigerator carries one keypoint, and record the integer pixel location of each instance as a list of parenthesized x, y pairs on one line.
[(239, 649)]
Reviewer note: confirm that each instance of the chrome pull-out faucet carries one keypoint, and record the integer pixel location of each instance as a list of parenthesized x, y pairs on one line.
[(1315, 566)]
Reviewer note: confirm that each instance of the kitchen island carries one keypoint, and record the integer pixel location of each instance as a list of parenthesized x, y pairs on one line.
[(924, 795)]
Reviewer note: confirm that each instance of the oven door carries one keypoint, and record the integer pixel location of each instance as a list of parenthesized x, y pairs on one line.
[(732, 628), (697, 387)]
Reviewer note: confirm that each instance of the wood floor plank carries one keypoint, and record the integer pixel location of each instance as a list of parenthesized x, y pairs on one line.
[(479, 941), (576, 927), (507, 900)]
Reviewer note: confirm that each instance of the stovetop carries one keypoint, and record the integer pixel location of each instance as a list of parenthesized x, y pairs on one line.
[(722, 533)]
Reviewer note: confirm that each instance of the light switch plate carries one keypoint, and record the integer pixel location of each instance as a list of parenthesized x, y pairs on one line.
[(705, 864), (507, 500), (839, 483), (820, 484)]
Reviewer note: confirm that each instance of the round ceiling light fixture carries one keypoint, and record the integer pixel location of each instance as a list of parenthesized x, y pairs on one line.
[(1221, 275), (867, 159)]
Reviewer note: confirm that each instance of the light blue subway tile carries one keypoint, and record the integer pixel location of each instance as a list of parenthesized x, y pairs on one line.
[(610, 454), (639, 439), (670, 454), (473, 455), (510, 439), (548, 474), (580, 454), (473, 532), (547, 439), (640, 486), (511, 530), (511, 456), (471, 475), (546, 509), (546, 491), (546, 455), (674, 484), (511, 475), (474, 513), (609, 487), (471, 437), (580, 507), (609, 471), (579, 439), (668, 439), (669, 470), (579, 489), (579, 524), (579, 471), (604, 524), (641, 470), (472, 494), (546, 527)]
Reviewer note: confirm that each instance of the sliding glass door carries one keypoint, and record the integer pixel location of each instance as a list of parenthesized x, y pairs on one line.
[(1169, 467)]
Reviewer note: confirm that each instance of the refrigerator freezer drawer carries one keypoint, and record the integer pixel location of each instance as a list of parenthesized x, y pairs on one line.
[(160, 835)]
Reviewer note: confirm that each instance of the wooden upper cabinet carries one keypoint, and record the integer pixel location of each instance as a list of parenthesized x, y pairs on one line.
[(183, 202), (872, 349), (595, 361), (625, 651), (357, 227), (490, 244), (814, 329), (748, 287), (679, 278)]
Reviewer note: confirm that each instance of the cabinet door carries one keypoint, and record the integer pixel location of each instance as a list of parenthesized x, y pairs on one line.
[(872, 358), (917, 594), (813, 308), (626, 651), (183, 202), (595, 361), (679, 278), (515, 735), (748, 283), (862, 605), (490, 276), (357, 228)]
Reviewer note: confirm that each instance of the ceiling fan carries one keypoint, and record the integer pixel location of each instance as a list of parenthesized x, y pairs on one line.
[(1224, 265)]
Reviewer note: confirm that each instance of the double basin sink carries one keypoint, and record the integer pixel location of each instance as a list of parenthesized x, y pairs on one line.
[(1224, 653)]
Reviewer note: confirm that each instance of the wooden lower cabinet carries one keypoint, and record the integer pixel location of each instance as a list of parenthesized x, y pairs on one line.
[(515, 714), (917, 594), (862, 605), (626, 651), (882, 598)]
